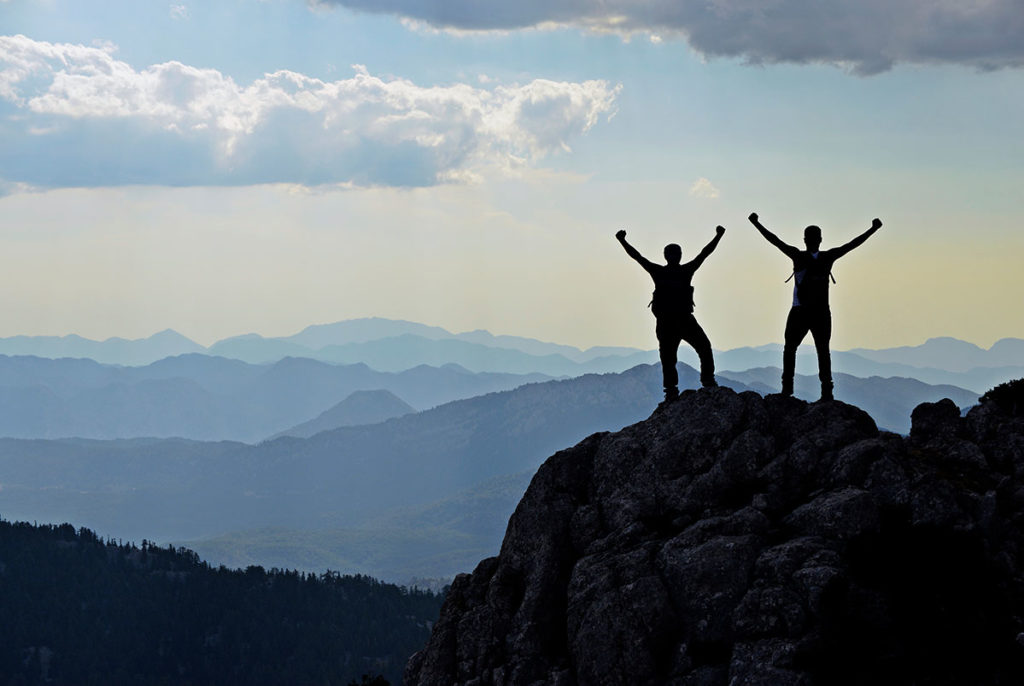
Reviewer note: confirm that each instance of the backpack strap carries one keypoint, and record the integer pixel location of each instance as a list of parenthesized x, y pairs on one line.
[(794, 274)]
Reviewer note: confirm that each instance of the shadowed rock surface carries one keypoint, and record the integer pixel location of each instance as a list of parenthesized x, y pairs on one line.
[(735, 539)]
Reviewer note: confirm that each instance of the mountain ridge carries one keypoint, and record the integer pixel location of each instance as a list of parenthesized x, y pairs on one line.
[(345, 478), (937, 357), (203, 397), (174, 489), (358, 408)]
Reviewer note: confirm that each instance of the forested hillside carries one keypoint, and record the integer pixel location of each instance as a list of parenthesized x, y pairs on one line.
[(79, 610)]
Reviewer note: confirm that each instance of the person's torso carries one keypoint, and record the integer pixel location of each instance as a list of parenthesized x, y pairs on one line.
[(811, 274), (673, 291)]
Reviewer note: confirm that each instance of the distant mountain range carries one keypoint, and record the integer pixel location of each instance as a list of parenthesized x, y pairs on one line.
[(173, 489), (209, 398), (395, 345), (204, 396), (377, 446), (212, 398), (443, 538), (401, 498), (356, 331), (392, 345), (121, 351), (890, 363)]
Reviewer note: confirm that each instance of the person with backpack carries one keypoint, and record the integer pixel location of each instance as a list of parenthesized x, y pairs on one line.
[(672, 305), (812, 269)]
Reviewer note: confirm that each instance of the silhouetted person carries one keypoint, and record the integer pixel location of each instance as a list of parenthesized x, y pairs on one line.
[(672, 305), (812, 269)]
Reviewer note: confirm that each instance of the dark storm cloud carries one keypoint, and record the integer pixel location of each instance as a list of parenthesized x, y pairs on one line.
[(867, 36)]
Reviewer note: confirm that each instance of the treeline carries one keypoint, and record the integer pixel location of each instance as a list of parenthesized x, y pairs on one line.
[(77, 609)]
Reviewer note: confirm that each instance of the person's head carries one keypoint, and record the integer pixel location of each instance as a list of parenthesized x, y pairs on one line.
[(673, 253), (812, 238)]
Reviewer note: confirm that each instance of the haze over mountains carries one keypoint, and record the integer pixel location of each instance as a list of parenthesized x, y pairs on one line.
[(207, 398), (175, 489), (427, 544), (288, 458), (394, 345), (384, 344), (937, 361), (412, 496), (121, 351), (440, 538), (362, 407), (212, 398)]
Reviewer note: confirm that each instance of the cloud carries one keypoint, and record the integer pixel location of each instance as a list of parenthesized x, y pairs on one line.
[(867, 36), (702, 188), (12, 188), (76, 116), (179, 11)]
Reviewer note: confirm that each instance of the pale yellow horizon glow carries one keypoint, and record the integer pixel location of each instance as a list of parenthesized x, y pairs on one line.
[(533, 257)]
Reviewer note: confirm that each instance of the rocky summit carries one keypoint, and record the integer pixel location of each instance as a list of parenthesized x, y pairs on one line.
[(734, 539)]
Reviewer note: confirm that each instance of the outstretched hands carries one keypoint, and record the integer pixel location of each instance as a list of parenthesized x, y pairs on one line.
[(876, 223), (621, 233)]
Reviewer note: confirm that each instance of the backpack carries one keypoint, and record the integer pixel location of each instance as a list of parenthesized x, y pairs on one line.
[(670, 299), (812, 289)]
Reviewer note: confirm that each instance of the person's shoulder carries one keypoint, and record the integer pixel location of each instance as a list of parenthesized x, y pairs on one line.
[(652, 268)]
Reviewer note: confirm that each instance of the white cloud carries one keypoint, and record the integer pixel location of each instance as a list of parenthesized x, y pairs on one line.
[(179, 12), (702, 188), (12, 188), (866, 35), (108, 123)]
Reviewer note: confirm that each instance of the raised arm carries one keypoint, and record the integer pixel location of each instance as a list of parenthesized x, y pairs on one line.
[(633, 252), (876, 224), (789, 250), (709, 248)]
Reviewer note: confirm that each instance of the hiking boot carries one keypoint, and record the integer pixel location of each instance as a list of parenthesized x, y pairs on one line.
[(709, 384), (671, 395), (787, 388)]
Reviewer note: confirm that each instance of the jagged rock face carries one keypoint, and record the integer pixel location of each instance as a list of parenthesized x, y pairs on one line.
[(735, 539)]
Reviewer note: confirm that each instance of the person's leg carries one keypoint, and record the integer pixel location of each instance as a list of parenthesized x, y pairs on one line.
[(694, 335), (668, 345), (821, 331), (796, 329)]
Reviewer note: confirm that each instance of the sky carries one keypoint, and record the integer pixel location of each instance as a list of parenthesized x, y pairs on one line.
[(237, 166)]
